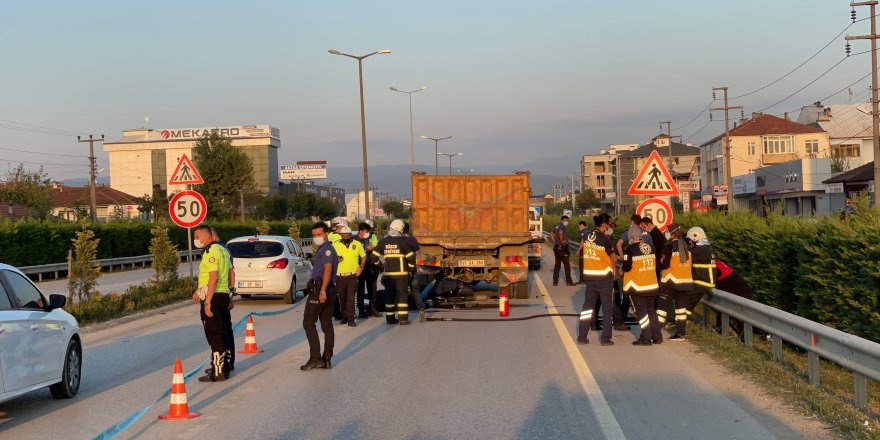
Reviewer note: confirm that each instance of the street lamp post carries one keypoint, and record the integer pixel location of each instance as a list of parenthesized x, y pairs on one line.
[(450, 156), (360, 60), (436, 152), (412, 153)]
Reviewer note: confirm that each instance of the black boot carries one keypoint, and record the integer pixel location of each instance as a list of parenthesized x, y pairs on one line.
[(218, 372), (312, 364), (326, 360)]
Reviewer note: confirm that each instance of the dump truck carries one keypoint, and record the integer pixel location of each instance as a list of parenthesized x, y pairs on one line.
[(474, 228)]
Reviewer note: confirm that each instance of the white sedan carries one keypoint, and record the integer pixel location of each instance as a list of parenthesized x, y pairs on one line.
[(40, 344), (269, 265)]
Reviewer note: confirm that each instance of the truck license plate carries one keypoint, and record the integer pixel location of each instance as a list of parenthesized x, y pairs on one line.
[(471, 263), (250, 284)]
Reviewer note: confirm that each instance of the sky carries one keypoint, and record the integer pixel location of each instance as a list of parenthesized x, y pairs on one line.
[(511, 81)]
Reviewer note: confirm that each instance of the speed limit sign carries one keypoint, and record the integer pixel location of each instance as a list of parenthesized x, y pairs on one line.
[(187, 209), (658, 210)]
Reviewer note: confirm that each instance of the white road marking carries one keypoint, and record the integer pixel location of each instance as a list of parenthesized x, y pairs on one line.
[(607, 422)]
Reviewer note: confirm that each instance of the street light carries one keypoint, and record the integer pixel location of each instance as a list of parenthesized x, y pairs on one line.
[(450, 156), (360, 60), (412, 154), (436, 151)]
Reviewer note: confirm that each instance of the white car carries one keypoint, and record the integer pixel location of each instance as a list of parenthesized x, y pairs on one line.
[(269, 265), (40, 345)]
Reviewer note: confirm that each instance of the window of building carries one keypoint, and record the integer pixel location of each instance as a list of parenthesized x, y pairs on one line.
[(778, 145), (751, 148), (812, 147), (600, 167), (846, 150), (600, 181)]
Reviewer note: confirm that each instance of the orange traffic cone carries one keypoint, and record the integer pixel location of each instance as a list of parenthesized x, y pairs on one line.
[(250, 338), (179, 409)]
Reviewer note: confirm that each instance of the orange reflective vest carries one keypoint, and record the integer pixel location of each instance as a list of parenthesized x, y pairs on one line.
[(597, 256)]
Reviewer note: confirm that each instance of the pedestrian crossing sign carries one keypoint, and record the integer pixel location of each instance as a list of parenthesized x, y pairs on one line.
[(654, 179), (185, 173)]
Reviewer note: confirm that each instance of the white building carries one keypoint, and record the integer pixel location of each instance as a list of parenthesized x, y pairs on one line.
[(355, 206), (597, 171), (146, 157), (849, 128)]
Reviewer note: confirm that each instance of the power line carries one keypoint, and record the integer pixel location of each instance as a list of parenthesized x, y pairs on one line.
[(39, 163), (39, 152), (695, 117), (799, 65), (805, 86), (18, 126)]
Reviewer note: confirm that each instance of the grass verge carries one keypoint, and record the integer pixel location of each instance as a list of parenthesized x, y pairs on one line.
[(100, 308), (786, 380)]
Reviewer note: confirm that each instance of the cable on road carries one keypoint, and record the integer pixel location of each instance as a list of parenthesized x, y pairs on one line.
[(523, 318)]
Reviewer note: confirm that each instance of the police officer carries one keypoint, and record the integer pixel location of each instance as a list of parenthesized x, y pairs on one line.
[(561, 252), (703, 273), (399, 259), (676, 282), (213, 294), (599, 260), (335, 225), (640, 282), (321, 296), (351, 264), (228, 334), (583, 231), (366, 291)]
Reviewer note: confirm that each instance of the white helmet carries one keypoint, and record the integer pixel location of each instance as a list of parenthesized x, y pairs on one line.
[(369, 222), (697, 233), (396, 225), (339, 221)]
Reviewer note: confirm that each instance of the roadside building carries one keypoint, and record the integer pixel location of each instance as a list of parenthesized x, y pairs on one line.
[(597, 172), (70, 201), (15, 211), (847, 186), (795, 188), (145, 157), (355, 205), (758, 142), (849, 129), (681, 160)]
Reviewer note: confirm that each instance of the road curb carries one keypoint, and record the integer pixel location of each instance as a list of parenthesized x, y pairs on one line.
[(97, 326)]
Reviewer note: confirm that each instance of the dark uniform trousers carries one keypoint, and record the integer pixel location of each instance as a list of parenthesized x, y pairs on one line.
[(346, 287), (366, 290), (647, 316), (619, 308), (396, 301), (684, 305), (561, 252), (215, 331), (597, 291), (316, 311), (228, 336)]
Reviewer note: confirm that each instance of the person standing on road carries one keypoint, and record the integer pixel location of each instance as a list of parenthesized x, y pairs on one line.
[(676, 281), (413, 281), (213, 294), (703, 273), (321, 296), (228, 334), (640, 282), (599, 260), (583, 231), (366, 291), (351, 264), (398, 258), (561, 252)]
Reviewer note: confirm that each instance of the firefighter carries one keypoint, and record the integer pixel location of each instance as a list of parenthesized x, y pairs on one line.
[(703, 273), (676, 283), (351, 264), (399, 259), (599, 261), (213, 294), (561, 252), (640, 282)]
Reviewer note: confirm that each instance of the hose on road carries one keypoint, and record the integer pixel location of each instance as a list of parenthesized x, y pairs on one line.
[(524, 318)]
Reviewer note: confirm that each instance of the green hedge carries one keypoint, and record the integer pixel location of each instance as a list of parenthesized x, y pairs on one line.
[(99, 308), (824, 269), (29, 243)]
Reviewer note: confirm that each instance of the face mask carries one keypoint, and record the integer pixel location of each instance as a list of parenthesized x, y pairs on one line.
[(565, 224), (609, 231), (318, 240), (198, 243), (365, 235), (667, 235)]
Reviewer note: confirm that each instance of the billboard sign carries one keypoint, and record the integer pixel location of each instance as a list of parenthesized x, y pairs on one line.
[(305, 170), (238, 131)]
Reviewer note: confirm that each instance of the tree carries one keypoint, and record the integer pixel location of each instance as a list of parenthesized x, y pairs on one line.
[(273, 207), (29, 188), (587, 199), (119, 214), (83, 277), (394, 209), (305, 205), (227, 170), (166, 259)]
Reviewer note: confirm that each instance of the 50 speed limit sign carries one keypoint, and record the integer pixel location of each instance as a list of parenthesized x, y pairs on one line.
[(658, 210), (187, 209)]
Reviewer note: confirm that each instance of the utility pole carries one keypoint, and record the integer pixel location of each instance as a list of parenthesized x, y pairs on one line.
[(573, 207), (668, 133), (92, 177), (728, 178), (875, 108)]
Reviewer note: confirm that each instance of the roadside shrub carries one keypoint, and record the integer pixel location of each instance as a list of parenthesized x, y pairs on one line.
[(99, 308)]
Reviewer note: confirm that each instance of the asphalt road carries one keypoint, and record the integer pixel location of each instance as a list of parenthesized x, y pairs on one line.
[(431, 380)]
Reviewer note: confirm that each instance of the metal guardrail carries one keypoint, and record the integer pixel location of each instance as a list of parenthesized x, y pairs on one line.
[(859, 356), (108, 263)]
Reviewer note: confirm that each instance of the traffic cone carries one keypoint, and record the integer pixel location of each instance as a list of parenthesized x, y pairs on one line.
[(250, 338), (179, 409)]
